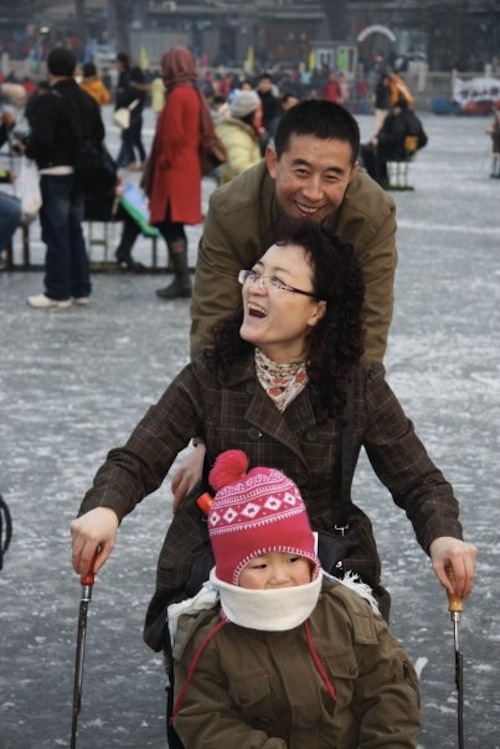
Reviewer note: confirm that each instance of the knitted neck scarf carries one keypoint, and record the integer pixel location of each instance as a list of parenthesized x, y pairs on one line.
[(269, 610), (265, 610), (282, 382)]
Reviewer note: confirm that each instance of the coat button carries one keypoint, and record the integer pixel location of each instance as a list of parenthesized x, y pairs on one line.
[(311, 435), (249, 388), (302, 480), (254, 434)]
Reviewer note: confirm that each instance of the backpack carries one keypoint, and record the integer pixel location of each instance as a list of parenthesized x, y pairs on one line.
[(5, 529), (95, 169)]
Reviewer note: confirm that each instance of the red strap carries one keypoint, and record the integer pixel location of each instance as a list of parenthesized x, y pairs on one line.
[(180, 697), (318, 664)]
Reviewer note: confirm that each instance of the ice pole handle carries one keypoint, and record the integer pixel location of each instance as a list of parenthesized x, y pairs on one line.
[(455, 604), (89, 578)]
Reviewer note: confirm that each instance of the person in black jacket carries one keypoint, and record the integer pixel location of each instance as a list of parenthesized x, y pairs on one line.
[(131, 92), (52, 144), (271, 109), (389, 144)]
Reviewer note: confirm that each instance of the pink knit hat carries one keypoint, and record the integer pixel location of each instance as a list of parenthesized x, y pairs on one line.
[(255, 513)]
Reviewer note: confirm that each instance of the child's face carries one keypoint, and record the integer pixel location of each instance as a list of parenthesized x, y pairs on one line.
[(275, 570)]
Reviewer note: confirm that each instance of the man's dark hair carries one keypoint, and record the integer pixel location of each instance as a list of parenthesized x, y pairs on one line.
[(320, 118), (288, 95), (89, 70), (336, 342), (61, 61), (124, 59)]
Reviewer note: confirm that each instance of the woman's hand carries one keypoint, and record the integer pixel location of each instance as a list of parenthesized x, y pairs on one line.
[(93, 538), (187, 476), (461, 557)]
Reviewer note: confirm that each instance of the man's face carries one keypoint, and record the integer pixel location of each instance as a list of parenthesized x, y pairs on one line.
[(311, 177), (265, 85)]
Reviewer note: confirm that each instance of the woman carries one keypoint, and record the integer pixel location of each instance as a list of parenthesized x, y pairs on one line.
[(274, 385), (94, 85), (240, 133), (174, 182)]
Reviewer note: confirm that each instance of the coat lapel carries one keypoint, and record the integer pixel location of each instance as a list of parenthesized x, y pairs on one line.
[(262, 414)]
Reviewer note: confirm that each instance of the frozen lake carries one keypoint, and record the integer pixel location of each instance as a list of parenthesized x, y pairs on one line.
[(72, 386)]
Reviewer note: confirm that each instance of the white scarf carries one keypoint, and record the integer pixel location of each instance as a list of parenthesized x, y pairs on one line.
[(275, 610)]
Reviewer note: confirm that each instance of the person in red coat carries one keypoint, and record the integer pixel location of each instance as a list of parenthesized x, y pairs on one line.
[(173, 181)]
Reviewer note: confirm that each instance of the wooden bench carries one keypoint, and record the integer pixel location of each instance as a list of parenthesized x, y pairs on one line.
[(399, 171)]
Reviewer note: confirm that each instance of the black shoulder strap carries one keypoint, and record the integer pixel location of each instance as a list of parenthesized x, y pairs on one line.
[(342, 475), (78, 117)]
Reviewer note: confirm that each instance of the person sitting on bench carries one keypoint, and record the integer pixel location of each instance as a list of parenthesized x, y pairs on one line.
[(391, 144)]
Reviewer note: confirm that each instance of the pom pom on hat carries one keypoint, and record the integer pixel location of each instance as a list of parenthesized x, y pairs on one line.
[(229, 467), (244, 103), (255, 513)]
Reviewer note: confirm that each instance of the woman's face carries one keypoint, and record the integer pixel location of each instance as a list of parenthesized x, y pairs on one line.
[(278, 320)]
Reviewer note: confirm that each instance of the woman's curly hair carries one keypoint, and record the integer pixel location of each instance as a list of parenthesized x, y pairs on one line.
[(336, 342)]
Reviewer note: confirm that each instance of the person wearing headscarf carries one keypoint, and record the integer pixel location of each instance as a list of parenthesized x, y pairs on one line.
[(173, 178)]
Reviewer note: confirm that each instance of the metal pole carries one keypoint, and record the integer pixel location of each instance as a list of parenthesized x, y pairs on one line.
[(455, 607), (87, 582)]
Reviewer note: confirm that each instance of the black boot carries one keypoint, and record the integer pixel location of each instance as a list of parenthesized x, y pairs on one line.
[(123, 252), (181, 285)]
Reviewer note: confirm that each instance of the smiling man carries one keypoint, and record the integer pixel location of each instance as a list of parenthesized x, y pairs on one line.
[(311, 172)]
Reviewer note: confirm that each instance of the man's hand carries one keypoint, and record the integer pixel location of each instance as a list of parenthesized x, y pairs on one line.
[(187, 476), (461, 556), (94, 536)]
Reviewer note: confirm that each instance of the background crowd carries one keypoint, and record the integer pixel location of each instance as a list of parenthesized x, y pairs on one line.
[(249, 120), (244, 109)]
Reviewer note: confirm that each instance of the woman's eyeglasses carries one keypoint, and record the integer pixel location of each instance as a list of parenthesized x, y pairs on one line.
[(250, 276)]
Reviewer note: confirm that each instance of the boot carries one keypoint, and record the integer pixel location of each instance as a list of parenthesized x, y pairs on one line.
[(181, 285), (123, 252)]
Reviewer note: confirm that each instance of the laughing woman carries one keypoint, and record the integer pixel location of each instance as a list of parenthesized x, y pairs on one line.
[(275, 385)]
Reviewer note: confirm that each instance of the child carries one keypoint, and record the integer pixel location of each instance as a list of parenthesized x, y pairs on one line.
[(273, 652)]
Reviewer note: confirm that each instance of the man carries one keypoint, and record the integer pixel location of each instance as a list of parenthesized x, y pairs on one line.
[(10, 206), (389, 144), (131, 92), (312, 172), (289, 100), (52, 143), (271, 107)]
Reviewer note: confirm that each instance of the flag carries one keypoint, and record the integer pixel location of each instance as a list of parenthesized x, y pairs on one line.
[(250, 60), (312, 61), (143, 58)]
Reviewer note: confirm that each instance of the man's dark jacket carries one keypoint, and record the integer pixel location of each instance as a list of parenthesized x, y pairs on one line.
[(53, 138)]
